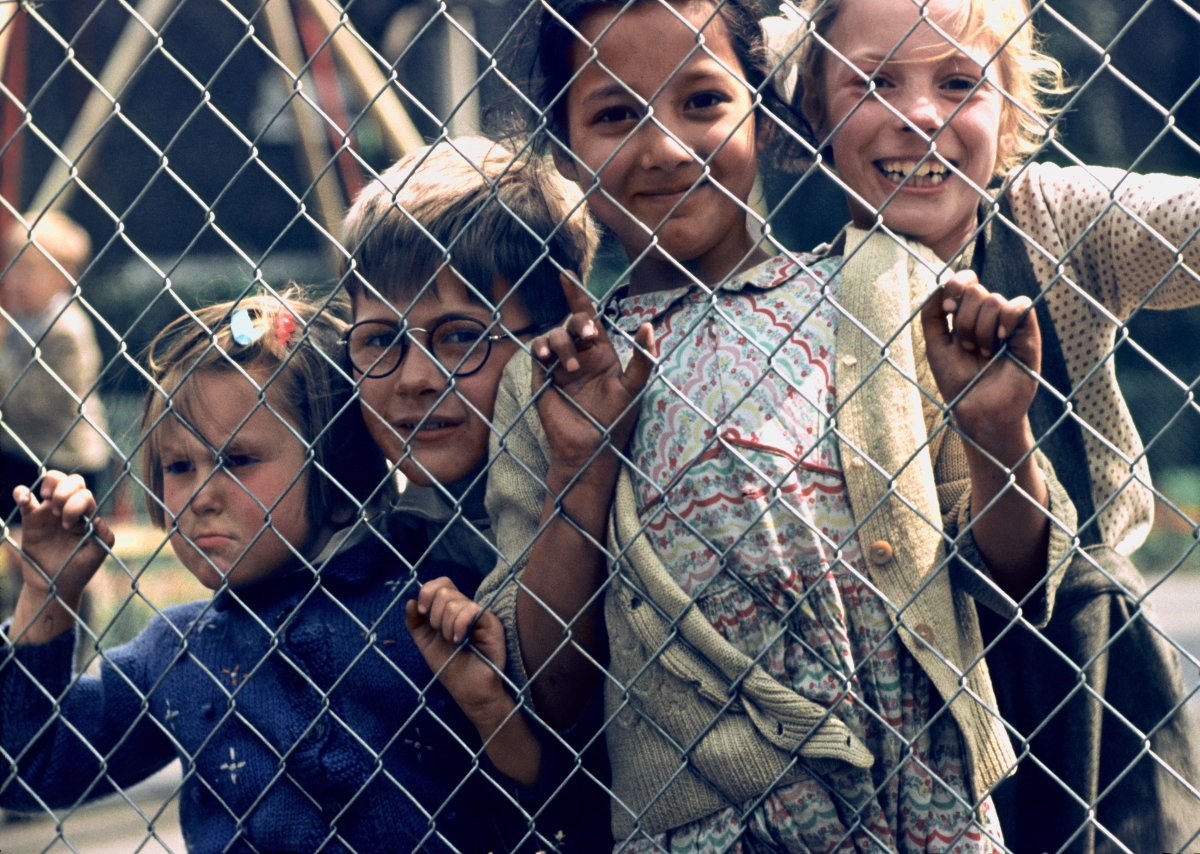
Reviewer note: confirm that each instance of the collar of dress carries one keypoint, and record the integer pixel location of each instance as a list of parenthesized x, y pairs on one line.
[(627, 312)]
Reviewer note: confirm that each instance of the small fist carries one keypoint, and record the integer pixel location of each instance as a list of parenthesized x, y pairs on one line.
[(55, 536), (588, 389), (965, 326), (439, 619)]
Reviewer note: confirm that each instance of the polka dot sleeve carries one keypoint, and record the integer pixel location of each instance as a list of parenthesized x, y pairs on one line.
[(1131, 239)]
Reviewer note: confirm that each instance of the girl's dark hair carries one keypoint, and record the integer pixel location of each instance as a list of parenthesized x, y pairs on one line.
[(556, 31), (301, 374)]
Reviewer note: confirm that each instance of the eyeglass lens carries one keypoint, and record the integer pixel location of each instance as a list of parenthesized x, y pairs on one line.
[(460, 345)]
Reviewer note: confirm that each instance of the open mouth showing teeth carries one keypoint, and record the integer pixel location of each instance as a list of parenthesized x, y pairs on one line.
[(927, 174)]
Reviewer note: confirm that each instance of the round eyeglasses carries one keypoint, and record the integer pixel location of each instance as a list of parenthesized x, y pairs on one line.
[(461, 345)]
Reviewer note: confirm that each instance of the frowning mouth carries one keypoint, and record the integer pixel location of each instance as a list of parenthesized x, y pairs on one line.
[(928, 173), (209, 540)]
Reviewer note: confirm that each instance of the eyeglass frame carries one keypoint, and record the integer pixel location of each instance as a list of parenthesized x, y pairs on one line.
[(405, 333)]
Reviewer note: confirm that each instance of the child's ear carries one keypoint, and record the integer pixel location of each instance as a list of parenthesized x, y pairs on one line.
[(814, 115), (764, 132), (564, 162)]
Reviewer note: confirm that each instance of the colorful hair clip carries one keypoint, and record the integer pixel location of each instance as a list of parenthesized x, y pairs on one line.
[(285, 325), (243, 328)]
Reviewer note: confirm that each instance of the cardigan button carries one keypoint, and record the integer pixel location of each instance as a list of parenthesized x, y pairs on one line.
[(849, 361), (880, 552), (857, 462), (924, 631)]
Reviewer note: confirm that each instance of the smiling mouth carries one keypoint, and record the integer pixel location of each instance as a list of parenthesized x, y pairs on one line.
[(675, 192), (929, 173)]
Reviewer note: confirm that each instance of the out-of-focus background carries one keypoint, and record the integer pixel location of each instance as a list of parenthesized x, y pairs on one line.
[(174, 132), (201, 180)]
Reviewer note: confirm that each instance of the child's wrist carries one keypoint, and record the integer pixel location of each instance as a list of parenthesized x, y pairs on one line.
[(39, 619), (38, 588), (489, 716), (1004, 443), (599, 471)]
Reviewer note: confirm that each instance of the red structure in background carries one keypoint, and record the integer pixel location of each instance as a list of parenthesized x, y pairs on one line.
[(332, 100), (15, 74)]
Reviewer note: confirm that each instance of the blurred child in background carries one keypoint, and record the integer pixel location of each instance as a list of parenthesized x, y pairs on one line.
[(52, 411)]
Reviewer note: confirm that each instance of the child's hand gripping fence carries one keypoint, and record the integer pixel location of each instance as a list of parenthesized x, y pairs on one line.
[(804, 645)]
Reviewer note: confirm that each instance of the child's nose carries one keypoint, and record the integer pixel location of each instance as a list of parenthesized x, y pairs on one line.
[(419, 372), (659, 147), (210, 494), (919, 110)]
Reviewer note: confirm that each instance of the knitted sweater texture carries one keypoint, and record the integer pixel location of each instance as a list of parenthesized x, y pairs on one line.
[(695, 724), (304, 716)]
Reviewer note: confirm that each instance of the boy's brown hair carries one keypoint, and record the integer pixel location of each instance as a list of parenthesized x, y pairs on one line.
[(470, 205), (297, 363)]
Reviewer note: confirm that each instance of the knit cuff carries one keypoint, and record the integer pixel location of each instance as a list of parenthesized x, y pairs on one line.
[(32, 678), (53, 662), (971, 573)]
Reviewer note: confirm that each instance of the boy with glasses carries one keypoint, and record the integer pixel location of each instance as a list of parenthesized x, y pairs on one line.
[(458, 254)]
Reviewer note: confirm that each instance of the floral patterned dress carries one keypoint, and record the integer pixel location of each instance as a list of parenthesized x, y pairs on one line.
[(742, 495)]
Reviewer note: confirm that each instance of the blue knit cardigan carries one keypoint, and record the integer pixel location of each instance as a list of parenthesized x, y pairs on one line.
[(304, 716)]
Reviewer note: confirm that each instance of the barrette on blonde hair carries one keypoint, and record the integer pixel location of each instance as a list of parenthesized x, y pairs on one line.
[(246, 331)]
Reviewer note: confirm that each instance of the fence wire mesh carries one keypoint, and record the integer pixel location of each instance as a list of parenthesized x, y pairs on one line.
[(815, 571)]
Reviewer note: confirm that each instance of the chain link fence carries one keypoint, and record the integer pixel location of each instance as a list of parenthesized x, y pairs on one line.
[(793, 566)]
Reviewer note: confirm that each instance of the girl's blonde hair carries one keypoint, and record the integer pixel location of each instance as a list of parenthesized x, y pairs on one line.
[(297, 360), (1027, 77)]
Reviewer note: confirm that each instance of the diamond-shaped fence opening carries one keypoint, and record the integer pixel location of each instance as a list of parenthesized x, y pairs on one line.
[(822, 564)]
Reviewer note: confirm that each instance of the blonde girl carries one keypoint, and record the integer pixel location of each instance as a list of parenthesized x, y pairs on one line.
[(929, 113)]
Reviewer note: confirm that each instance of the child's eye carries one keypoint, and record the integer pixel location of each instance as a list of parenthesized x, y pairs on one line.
[(959, 84), (460, 337), (615, 115), (178, 467), (233, 461), (706, 100), (380, 340)]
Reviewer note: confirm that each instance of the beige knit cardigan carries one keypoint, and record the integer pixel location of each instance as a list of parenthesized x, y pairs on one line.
[(695, 725)]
